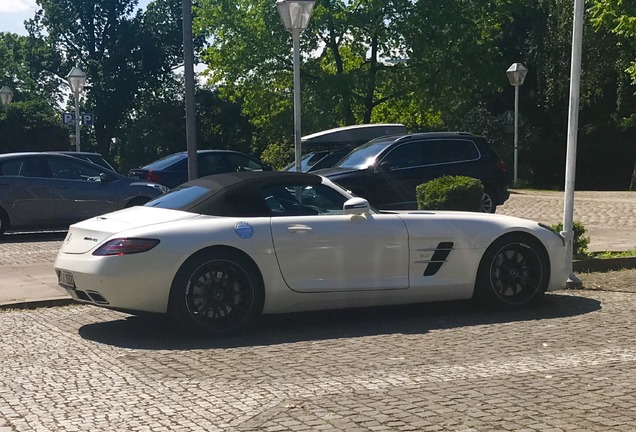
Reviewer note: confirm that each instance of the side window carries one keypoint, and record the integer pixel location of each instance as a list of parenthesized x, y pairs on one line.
[(242, 163), (11, 167), (302, 200), (211, 163), (404, 156), (68, 169), (448, 151)]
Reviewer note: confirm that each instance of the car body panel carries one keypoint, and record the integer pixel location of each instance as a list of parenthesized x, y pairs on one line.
[(306, 261), (321, 254), (51, 190)]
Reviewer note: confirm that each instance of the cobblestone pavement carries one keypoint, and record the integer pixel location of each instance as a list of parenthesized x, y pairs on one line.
[(565, 365), (609, 217)]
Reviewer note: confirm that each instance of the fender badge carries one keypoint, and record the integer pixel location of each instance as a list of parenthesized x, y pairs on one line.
[(243, 230)]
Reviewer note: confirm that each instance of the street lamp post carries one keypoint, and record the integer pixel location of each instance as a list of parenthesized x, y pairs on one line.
[(516, 75), (76, 79), (6, 95), (573, 125), (295, 15)]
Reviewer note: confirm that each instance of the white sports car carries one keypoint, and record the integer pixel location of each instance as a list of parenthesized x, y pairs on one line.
[(218, 251)]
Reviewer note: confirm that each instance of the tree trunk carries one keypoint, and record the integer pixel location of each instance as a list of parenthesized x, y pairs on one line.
[(632, 184)]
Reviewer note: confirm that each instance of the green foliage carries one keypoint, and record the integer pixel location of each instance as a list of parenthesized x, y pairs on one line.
[(580, 241), (278, 155), (122, 50), (450, 193)]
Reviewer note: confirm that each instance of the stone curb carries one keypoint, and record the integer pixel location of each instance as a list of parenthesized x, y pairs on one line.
[(34, 304), (604, 264)]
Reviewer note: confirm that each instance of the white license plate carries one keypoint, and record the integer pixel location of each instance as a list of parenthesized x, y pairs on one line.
[(66, 280)]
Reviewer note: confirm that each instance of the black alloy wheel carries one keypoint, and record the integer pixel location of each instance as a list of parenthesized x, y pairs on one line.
[(513, 272), (216, 294)]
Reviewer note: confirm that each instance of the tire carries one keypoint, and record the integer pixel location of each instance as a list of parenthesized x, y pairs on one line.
[(4, 222), (216, 293), (488, 202), (513, 272)]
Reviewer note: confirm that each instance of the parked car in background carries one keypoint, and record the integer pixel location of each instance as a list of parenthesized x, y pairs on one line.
[(52, 190), (326, 148), (95, 158), (172, 170), (227, 248), (387, 170)]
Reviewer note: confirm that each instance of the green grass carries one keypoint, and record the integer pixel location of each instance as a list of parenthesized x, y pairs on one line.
[(619, 254)]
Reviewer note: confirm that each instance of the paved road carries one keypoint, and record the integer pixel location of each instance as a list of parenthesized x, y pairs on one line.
[(566, 365)]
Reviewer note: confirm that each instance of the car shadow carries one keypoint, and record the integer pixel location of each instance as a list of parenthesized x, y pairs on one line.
[(159, 333)]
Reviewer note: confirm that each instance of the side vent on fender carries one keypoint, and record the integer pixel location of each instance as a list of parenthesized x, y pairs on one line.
[(439, 258)]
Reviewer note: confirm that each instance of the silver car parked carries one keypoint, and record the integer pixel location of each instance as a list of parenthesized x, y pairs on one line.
[(48, 190)]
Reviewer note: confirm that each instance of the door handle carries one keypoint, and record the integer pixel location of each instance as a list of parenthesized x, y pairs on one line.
[(299, 229)]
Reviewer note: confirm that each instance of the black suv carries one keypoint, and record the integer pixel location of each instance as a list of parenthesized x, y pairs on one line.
[(387, 170)]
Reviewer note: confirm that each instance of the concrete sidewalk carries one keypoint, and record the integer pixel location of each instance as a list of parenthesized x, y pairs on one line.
[(30, 285)]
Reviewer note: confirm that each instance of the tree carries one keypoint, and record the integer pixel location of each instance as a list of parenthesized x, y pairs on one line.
[(345, 75), (122, 50), (32, 122)]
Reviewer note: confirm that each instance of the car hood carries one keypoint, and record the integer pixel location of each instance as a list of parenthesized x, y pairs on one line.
[(86, 235)]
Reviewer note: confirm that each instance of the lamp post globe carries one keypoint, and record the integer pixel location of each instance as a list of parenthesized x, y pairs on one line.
[(76, 80), (6, 95), (516, 75), (295, 15)]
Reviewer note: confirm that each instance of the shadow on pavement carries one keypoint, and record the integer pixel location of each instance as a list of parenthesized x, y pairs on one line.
[(158, 333)]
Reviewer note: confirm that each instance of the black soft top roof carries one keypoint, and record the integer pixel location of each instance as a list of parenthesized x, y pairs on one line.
[(238, 194)]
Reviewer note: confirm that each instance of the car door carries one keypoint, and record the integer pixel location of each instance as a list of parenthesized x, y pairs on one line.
[(319, 249), (406, 166), (26, 193), (78, 190), (397, 175)]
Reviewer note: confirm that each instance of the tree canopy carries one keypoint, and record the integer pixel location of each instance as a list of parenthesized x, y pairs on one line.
[(427, 64)]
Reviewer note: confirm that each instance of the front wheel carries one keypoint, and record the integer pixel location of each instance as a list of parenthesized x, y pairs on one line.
[(513, 272), (216, 293)]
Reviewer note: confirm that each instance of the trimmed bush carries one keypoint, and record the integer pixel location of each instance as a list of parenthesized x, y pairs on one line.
[(450, 193), (580, 242)]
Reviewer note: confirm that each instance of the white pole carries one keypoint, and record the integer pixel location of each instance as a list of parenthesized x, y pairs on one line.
[(297, 136), (77, 122), (573, 120), (516, 143)]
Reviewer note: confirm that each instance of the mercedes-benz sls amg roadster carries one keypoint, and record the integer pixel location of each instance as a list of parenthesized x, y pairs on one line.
[(216, 252)]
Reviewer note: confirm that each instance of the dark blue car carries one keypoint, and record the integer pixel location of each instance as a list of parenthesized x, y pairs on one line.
[(172, 170)]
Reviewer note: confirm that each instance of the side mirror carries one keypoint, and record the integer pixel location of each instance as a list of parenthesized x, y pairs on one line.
[(356, 206), (103, 177)]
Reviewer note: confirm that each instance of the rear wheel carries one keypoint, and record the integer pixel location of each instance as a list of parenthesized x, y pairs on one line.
[(216, 293), (513, 272), (488, 203)]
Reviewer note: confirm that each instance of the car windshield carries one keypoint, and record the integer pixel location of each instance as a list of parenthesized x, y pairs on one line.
[(306, 162), (363, 156), (179, 197), (165, 162)]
